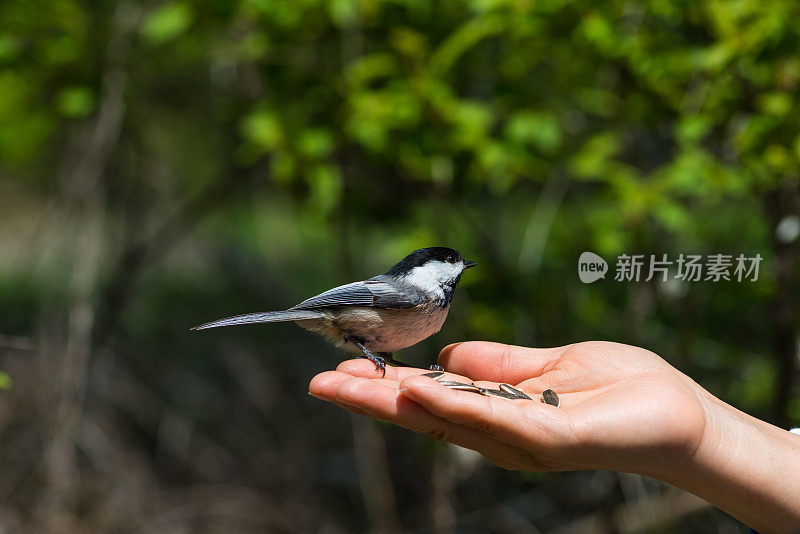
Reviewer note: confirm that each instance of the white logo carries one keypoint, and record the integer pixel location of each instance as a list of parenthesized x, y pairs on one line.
[(591, 267)]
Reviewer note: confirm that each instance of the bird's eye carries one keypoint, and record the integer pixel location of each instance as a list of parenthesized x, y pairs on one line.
[(451, 258)]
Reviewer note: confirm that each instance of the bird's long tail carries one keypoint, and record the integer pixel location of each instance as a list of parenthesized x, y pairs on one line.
[(264, 317)]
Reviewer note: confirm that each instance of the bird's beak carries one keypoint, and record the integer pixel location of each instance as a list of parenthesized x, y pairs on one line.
[(468, 264)]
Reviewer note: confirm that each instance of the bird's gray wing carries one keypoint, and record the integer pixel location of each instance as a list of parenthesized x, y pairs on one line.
[(372, 293)]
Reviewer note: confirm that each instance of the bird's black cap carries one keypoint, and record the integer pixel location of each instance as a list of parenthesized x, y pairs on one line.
[(424, 255)]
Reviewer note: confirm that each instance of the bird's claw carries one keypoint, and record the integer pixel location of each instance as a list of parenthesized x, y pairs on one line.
[(380, 363)]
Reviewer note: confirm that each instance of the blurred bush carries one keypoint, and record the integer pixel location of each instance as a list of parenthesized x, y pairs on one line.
[(164, 164)]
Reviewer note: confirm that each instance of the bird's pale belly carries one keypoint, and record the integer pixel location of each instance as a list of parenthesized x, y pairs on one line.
[(380, 330)]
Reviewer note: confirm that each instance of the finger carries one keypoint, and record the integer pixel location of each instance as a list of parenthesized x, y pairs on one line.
[(365, 396), (497, 362), (366, 369), (523, 424), (326, 385)]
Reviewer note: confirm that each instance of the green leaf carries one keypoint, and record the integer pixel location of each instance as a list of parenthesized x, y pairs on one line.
[(539, 129), (343, 13), (592, 159), (262, 129), (167, 22), (374, 113), (776, 104), (777, 157), (598, 31), (408, 42), (24, 125), (283, 167), (10, 47), (369, 68), (472, 121), (692, 128), (326, 187), (461, 40), (75, 102), (253, 46), (315, 142), (596, 100), (5, 381)]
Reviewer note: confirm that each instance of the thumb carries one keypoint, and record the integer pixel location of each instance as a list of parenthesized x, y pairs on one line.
[(497, 362)]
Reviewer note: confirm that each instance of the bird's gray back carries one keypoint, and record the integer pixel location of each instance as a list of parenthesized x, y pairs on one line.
[(380, 291)]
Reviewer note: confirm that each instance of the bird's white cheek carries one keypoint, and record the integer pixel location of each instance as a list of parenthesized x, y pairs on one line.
[(423, 278), (433, 275)]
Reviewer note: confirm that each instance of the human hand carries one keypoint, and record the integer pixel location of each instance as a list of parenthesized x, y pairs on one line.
[(622, 407)]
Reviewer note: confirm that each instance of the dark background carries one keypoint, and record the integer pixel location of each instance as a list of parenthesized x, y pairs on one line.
[(163, 164)]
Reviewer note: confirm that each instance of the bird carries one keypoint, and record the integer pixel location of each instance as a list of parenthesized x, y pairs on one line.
[(376, 317)]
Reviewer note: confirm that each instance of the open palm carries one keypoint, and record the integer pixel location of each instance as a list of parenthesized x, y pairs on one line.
[(622, 407)]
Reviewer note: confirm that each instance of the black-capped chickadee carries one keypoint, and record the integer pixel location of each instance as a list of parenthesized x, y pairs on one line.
[(383, 314)]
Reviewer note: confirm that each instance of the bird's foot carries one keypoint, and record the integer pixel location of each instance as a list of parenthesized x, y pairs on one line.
[(389, 359), (380, 363)]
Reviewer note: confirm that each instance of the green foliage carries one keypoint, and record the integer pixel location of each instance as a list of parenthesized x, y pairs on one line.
[(271, 148), (75, 102), (23, 127), (167, 22)]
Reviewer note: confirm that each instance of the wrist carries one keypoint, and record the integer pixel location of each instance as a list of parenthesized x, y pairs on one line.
[(745, 466)]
